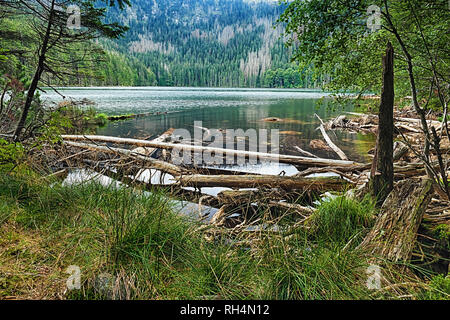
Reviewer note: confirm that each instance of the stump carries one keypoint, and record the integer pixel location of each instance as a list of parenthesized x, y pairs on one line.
[(395, 231)]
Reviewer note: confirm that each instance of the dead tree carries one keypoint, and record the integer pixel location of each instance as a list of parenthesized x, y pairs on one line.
[(383, 179)]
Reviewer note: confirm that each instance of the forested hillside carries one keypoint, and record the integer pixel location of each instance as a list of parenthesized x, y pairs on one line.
[(226, 43), (207, 43)]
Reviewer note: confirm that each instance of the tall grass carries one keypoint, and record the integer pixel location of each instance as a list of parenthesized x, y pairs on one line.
[(339, 219), (153, 252)]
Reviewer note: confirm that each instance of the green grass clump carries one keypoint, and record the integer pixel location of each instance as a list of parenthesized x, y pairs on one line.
[(339, 219), (299, 269)]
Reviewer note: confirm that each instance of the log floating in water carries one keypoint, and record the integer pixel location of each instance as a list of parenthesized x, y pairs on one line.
[(268, 156), (252, 181)]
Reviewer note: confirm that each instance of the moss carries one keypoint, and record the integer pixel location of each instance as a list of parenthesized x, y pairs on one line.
[(442, 233), (122, 117), (439, 288)]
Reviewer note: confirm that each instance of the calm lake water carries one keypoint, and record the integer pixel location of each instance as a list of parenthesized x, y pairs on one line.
[(222, 109)]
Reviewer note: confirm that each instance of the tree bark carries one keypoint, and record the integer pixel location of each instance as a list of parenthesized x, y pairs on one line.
[(383, 180), (395, 231)]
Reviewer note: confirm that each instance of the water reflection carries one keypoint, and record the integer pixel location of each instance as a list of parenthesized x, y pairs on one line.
[(222, 109)]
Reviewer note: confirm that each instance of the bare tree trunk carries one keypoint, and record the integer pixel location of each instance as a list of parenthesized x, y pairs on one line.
[(383, 180)]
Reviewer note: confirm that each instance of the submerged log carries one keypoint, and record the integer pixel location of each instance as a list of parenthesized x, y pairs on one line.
[(252, 181), (317, 144), (395, 231), (260, 155)]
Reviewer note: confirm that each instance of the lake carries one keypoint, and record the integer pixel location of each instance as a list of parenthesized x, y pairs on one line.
[(222, 109)]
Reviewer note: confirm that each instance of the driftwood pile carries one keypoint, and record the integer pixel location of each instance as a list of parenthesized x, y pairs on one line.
[(243, 198)]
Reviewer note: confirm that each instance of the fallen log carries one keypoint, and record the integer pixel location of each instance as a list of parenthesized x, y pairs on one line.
[(263, 156), (395, 231), (400, 149), (61, 174), (407, 128), (304, 152), (173, 190), (304, 212), (155, 164), (231, 200), (150, 151), (335, 148), (433, 123), (253, 181)]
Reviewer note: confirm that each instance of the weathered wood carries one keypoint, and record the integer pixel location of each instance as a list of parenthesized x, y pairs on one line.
[(407, 128), (236, 196), (382, 182), (400, 149), (335, 148), (304, 152), (263, 156), (150, 151), (432, 123), (61, 174), (253, 181), (155, 164), (292, 207), (417, 121), (173, 190), (395, 231)]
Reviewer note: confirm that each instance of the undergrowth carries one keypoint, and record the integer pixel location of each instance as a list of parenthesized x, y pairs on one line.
[(131, 244)]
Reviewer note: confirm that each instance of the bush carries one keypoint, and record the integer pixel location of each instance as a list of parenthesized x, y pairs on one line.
[(10, 155)]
